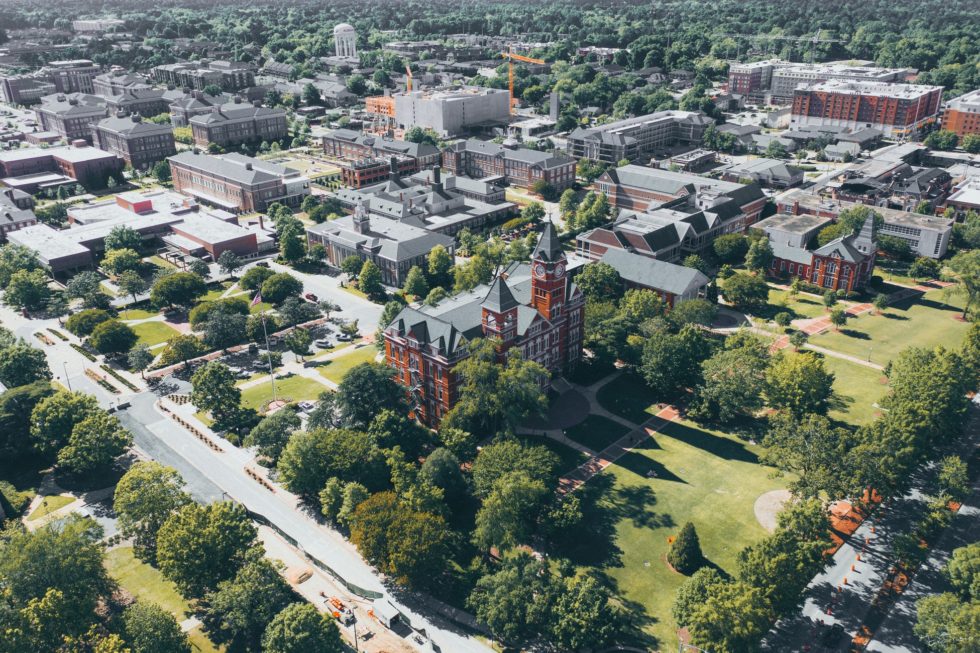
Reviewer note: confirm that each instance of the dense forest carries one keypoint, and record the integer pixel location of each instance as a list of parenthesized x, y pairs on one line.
[(938, 37)]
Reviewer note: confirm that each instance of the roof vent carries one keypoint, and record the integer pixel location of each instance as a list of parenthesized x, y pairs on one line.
[(248, 166)]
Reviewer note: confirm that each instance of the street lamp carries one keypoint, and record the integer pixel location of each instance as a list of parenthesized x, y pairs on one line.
[(64, 366)]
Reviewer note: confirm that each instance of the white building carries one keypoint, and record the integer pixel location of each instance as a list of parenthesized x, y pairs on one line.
[(452, 112), (345, 40)]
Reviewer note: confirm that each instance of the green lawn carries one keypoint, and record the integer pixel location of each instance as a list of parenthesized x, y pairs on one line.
[(335, 370), (137, 314), (801, 306), (144, 582), (154, 333), (857, 388), (627, 396), (160, 262), (926, 322), (49, 504), (148, 584), (293, 388), (258, 308), (706, 477), (596, 432)]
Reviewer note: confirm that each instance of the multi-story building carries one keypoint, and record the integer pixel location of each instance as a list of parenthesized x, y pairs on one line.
[(927, 235), (962, 115), (898, 110), (369, 172), (641, 188), (236, 182), (29, 169), (452, 112), (15, 211), (117, 82), (534, 309), (197, 75), (765, 172), (72, 76), (96, 25), (845, 263), (351, 145), (197, 103), (637, 137), (71, 116), (753, 79), (138, 143), (674, 283), (776, 80), (394, 245), (518, 166), (24, 89), (239, 122), (148, 102)]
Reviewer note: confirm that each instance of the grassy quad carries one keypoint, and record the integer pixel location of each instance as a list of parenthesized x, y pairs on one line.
[(924, 322), (627, 396), (137, 314), (596, 432), (292, 388), (153, 333), (684, 473), (335, 369)]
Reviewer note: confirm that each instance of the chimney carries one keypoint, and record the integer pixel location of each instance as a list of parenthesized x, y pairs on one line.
[(436, 176), (120, 114), (248, 166), (137, 117)]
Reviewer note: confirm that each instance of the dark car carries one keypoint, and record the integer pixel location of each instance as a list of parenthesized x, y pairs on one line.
[(310, 296)]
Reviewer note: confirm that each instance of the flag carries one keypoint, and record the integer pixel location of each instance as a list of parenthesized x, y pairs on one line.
[(257, 299)]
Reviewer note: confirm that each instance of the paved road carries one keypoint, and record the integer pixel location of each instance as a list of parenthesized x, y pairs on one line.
[(208, 471)]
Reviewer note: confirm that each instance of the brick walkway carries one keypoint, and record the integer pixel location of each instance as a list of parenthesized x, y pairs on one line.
[(582, 474)]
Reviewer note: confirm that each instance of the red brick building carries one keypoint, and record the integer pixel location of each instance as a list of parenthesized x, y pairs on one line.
[(518, 166), (534, 308), (368, 172), (842, 264)]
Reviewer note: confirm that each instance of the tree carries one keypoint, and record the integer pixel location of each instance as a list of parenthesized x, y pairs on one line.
[(941, 140), (224, 329), (963, 570), (600, 281), (776, 150), (814, 450), (684, 553), (509, 513), (671, 362), (880, 302), (408, 545), (733, 618), (585, 616), (351, 266), (366, 390), (113, 337), (177, 289), (420, 135), (505, 457), (733, 381), (145, 497), (965, 269), (140, 358), (695, 262), (132, 284), (311, 96), (148, 628), (440, 265), (356, 84), (27, 290), (16, 405), (292, 244), (369, 280), (692, 311), (271, 435), (441, 469), (214, 391), (254, 277), (279, 287), (83, 323), (54, 418), (693, 593), (799, 384), (952, 478), (838, 317), (415, 283), (746, 292), (240, 609), (298, 341), (200, 546), (21, 364), (759, 255), (310, 458), (123, 237), (971, 143), (947, 625), (534, 212), (161, 171), (87, 286), (731, 248), (55, 575), (117, 261), (301, 628), (94, 444), (200, 268), (181, 349), (515, 601), (229, 262)]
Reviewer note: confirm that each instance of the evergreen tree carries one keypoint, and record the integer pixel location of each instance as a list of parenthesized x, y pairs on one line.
[(685, 554)]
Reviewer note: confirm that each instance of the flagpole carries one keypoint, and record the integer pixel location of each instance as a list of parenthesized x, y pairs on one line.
[(272, 368)]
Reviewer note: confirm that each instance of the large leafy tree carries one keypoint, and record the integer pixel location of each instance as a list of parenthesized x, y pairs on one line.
[(55, 417), (15, 257), (508, 456), (214, 391), (495, 397), (510, 513), (693, 593), (814, 450), (799, 384), (671, 362), (440, 265), (734, 617), (946, 624), (312, 457), (181, 349), (123, 237), (84, 322), (271, 435), (21, 364), (148, 628), (600, 281), (585, 614), (366, 390), (746, 291), (732, 382), (113, 337), (16, 406), (27, 290), (87, 286), (278, 287), (145, 497), (240, 609), (965, 268), (515, 602), (301, 628), (177, 289), (369, 280), (94, 444), (200, 546)]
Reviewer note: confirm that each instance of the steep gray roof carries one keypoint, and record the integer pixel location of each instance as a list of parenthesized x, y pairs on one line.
[(549, 245), (544, 160), (499, 299), (653, 273)]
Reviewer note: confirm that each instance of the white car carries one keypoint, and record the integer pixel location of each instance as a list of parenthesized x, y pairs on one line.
[(323, 343)]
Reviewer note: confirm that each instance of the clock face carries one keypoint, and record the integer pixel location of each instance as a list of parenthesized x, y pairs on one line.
[(560, 269), (539, 270)]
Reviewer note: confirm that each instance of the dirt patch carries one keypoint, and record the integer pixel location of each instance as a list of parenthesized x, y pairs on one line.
[(768, 505)]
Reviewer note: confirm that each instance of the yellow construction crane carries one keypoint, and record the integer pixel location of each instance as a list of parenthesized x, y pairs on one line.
[(408, 82), (511, 57)]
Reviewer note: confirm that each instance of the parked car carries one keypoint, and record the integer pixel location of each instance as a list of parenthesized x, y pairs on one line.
[(323, 343), (262, 264), (309, 364), (310, 296), (344, 337), (307, 405)]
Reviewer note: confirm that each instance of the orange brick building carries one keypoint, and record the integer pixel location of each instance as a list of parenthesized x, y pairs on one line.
[(962, 114)]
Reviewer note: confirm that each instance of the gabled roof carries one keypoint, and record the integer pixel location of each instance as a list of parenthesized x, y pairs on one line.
[(500, 299), (842, 248), (652, 273), (549, 245)]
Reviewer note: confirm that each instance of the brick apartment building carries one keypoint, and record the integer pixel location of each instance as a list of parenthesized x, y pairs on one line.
[(25, 168), (24, 89), (138, 143), (236, 182), (351, 145), (534, 309), (898, 110), (518, 166), (71, 116), (962, 114), (368, 172), (238, 122), (229, 75)]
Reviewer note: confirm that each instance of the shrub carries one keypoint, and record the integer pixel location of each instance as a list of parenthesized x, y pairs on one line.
[(685, 553)]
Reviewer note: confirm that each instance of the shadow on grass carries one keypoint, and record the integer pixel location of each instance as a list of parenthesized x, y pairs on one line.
[(646, 467), (892, 316), (713, 444), (853, 333)]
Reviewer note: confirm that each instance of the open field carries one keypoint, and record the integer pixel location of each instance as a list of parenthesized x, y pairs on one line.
[(153, 333), (857, 388), (293, 388), (137, 314), (335, 370), (800, 306), (926, 322)]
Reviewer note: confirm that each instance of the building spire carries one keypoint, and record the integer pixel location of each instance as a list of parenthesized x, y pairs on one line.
[(865, 241), (500, 299), (549, 245)]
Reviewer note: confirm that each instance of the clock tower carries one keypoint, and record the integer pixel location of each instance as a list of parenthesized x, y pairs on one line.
[(499, 310), (548, 282)]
